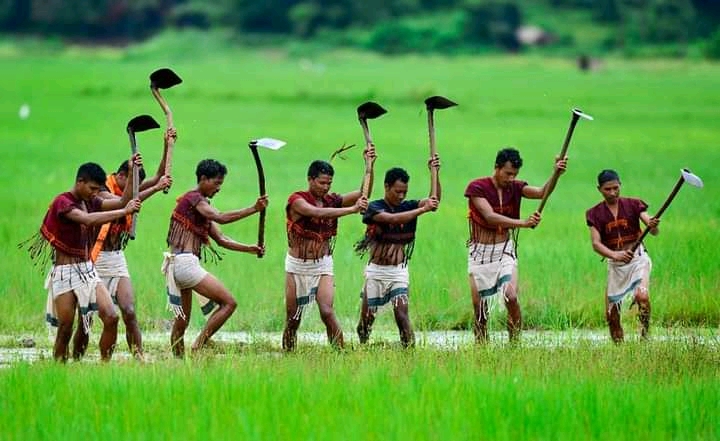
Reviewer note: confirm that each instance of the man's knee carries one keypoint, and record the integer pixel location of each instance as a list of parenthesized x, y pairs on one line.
[(128, 314), (231, 305), (641, 296), (326, 312), (109, 319)]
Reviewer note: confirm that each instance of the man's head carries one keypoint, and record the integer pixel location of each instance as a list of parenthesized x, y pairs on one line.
[(88, 180), (320, 175), (210, 176), (121, 175), (507, 166), (609, 185), (396, 186)]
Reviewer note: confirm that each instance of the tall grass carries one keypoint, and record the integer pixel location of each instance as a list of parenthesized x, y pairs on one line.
[(655, 391), (652, 118)]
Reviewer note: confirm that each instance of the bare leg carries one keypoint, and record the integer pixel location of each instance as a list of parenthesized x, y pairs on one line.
[(65, 305), (109, 318), (80, 340), (643, 301), (514, 320), (214, 290), (126, 303), (367, 318), (402, 319), (612, 315), (480, 308), (325, 297), (292, 319), (177, 336)]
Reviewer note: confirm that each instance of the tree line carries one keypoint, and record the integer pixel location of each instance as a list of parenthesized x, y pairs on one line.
[(394, 25)]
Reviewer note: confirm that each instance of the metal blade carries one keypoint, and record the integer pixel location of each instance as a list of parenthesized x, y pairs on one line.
[(270, 143), (691, 179), (370, 110), (580, 113), (438, 102), (164, 78), (142, 123)]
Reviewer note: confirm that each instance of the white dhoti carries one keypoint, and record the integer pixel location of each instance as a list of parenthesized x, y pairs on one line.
[(625, 278), (80, 278), (111, 266), (491, 266), (386, 284), (183, 271), (306, 274)]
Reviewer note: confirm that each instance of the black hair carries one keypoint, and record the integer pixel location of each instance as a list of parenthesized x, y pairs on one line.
[(320, 167), (210, 168), (91, 172), (508, 154), (125, 168), (607, 175), (396, 174)]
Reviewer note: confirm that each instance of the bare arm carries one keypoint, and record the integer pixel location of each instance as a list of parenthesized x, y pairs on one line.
[(496, 219), (532, 192), (170, 134), (651, 222), (209, 212), (160, 184), (101, 217), (369, 155), (426, 205), (230, 244), (604, 251), (303, 208)]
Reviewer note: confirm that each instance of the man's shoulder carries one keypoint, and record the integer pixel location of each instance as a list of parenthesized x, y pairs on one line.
[(478, 185)]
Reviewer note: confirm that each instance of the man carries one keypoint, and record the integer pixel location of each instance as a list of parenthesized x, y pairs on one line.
[(390, 240), (193, 222), (614, 227), (108, 254), (65, 237), (311, 220), (494, 219)]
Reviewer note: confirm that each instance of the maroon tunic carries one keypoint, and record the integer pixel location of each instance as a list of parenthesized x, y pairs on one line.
[(310, 234), (510, 207), (617, 232), (187, 222), (64, 235)]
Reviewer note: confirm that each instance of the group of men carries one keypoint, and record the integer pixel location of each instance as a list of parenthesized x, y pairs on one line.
[(86, 229)]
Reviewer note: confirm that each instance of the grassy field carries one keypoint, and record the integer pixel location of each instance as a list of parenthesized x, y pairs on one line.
[(652, 118), (637, 391)]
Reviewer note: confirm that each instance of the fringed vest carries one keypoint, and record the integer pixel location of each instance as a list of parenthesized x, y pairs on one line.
[(58, 233), (310, 235), (187, 224), (510, 207), (388, 244), (618, 232)]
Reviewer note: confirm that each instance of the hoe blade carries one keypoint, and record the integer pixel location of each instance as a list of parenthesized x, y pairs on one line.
[(164, 78), (370, 110), (691, 179), (438, 102), (142, 123)]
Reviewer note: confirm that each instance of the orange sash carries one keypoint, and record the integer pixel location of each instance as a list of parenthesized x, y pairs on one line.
[(112, 185)]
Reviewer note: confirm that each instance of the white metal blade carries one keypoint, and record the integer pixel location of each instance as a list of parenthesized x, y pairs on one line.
[(270, 143), (579, 113), (691, 179)]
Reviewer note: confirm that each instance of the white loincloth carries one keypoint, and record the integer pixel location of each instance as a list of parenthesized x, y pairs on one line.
[(183, 271), (306, 274), (80, 278), (625, 278), (491, 266), (386, 284), (111, 266)]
